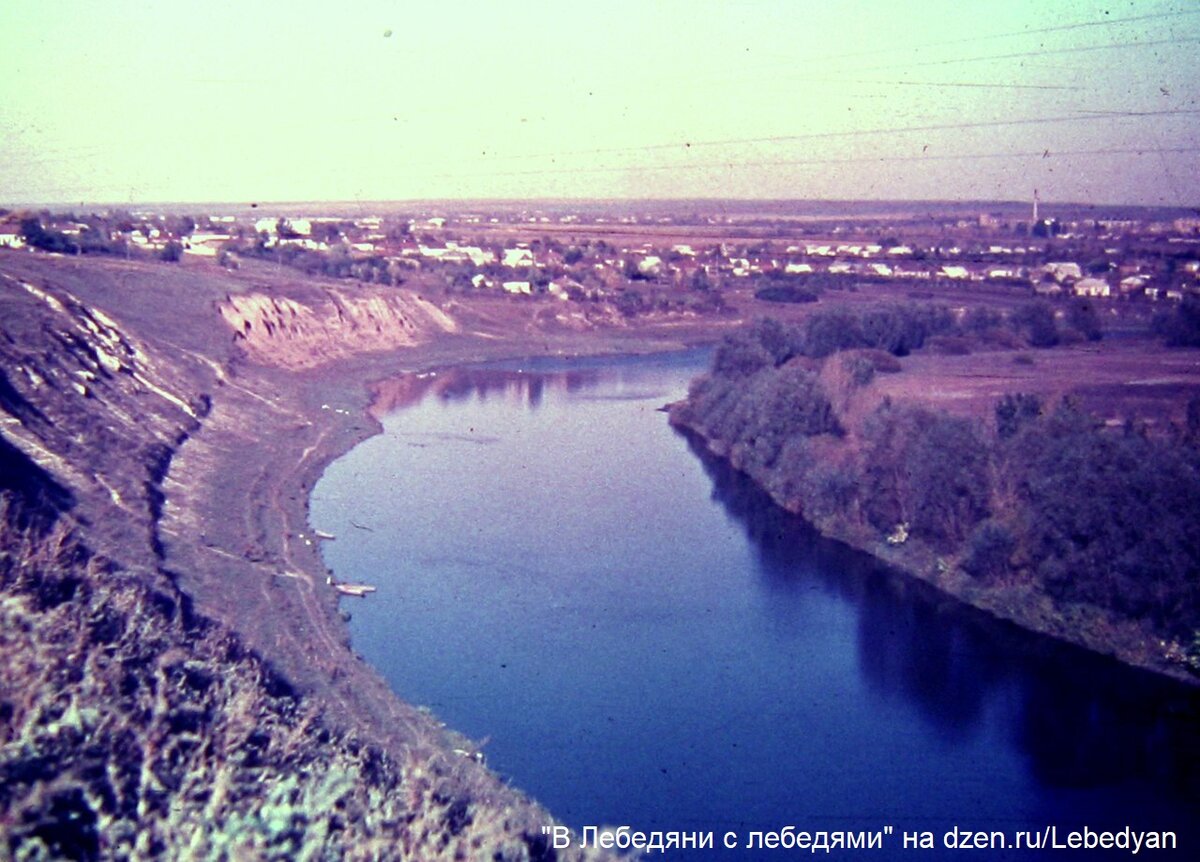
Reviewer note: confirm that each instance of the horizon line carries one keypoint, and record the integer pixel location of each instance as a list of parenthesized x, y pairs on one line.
[(257, 203)]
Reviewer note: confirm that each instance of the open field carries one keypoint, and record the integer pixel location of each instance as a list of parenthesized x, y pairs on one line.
[(1117, 381)]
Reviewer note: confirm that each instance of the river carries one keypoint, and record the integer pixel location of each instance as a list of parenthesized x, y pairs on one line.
[(638, 637)]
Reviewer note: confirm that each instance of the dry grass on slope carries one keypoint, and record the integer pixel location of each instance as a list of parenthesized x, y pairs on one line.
[(131, 728)]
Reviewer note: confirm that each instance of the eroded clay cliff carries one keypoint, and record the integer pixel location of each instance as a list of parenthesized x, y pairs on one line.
[(332, 324)]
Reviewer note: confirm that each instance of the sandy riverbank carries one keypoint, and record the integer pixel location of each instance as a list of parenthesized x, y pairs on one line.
[(242, 482)]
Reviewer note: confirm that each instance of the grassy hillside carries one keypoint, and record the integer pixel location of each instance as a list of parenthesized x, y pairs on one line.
[(133, 728)]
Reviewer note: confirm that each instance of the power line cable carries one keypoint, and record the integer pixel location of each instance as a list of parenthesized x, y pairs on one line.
[(938, 84), (1111, 22), (1038, 31), (923, 157), (1039, 53), (894, 130)]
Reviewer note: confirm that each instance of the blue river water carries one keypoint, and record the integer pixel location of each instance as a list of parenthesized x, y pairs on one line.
[(638, 637)]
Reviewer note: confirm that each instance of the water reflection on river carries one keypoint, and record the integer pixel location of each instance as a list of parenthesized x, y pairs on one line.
[(643, 639)]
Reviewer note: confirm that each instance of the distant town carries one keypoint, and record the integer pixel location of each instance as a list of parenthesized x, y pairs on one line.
[(659, 261)]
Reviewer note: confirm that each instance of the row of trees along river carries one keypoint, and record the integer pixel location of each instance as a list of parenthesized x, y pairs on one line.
[(1038, 512)]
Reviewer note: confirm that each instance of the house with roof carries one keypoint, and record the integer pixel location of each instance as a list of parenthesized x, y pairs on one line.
[(650, 266), (204, 244), (477, 255), (1093, 287), (1133, 284), (1064, 272), (298, 226), (517, 257)]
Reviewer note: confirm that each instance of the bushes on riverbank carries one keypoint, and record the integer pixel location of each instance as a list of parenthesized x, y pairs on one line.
[(1033, 499), (1108, 518)]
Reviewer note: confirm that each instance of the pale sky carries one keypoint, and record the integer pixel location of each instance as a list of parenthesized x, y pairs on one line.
[(1085, 100)]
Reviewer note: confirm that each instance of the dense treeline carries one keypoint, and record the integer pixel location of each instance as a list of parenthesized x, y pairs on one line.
[(1033, 501), (900, 329), (335, 262), (48, 240), (92, 238), (1109, 517), (651, 299), (762, 413), (927, 470)]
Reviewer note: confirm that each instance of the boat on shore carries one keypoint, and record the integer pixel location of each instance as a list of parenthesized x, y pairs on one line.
[(357, 590)]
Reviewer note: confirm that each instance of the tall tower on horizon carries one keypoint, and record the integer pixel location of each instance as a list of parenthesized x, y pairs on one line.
[(1035, 206)]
